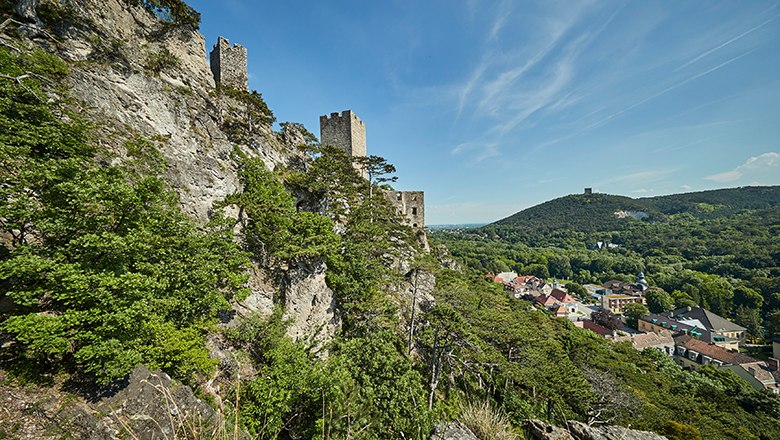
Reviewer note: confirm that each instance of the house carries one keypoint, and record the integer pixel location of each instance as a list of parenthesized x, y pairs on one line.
[(546, 301), (505, 277), (692, 352), (698, 322), (595, 328), (616, 303), (662, 341), (618, 294), (560, 310), (523, 285), (562, 296), (761, 375), (721, 328)]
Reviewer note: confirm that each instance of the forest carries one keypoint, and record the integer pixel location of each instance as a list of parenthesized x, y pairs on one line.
[(722, 255)]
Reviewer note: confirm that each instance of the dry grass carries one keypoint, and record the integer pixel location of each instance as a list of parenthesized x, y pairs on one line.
[(487, 423)]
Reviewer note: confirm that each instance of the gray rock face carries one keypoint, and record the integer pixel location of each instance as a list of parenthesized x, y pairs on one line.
[(536, 429), (149, 406), (261, 298), (310, 304), (173, 102), (153, 406), (452, 431)]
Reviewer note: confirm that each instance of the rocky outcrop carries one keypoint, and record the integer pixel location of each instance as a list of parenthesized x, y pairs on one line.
[(261, 297), (310, 304), (539, 430), (452, 431), (148, 405), (136, 78)]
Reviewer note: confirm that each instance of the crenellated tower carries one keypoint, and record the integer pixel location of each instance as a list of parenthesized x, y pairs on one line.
[(345, 131), (228, 64)]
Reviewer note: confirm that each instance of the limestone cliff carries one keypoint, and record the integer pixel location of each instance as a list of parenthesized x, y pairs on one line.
[(137, 77)]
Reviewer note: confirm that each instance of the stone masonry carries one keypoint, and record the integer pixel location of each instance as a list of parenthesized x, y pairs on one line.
[(228, 64), (345, 131), (410, 204)]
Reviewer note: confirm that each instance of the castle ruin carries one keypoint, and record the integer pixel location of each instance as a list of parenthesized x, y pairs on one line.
[(228, 65), (347, 132), (341, 130), (410, 205)]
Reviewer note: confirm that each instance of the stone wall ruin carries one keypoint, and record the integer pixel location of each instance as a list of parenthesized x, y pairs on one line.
[(410, 205)]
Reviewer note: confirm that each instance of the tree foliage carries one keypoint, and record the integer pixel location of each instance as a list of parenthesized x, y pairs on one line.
[(101, 271)]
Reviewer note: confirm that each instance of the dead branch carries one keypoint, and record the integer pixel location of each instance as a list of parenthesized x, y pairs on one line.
[(19, 79), (8, 21)]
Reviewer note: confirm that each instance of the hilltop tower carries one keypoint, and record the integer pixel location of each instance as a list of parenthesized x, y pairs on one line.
[(228, 64), (345, 131)]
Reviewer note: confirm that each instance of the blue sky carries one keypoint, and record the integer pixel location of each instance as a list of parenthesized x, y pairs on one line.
[(494, 106)]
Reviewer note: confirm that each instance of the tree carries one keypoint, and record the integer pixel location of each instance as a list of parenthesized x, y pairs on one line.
[(576, 289), (378, 171), (658, 300), (633, 312), (773, 323), (612, 400), (750, 319), (747, 297)]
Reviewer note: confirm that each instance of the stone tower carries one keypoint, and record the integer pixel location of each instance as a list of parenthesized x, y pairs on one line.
[(345, 131), (228, 64)]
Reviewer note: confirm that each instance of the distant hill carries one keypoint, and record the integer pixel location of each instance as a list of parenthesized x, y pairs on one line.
[(727, 201), (597, 212)]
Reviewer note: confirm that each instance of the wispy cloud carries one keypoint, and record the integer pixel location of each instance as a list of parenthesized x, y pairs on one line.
[(638, 177), (669, 89), (762, 166), (477, 152), (503, 12), (727, 42)]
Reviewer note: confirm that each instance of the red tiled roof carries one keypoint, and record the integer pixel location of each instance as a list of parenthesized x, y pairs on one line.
[(713, 350), (545, 300), (561, 296), (595, 328), (644, 340), (525, 278)]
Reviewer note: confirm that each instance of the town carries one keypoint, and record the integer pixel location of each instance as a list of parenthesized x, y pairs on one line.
[(616, 310)]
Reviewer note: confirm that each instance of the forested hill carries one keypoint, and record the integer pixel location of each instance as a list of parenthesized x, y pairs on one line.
[(597, 212)]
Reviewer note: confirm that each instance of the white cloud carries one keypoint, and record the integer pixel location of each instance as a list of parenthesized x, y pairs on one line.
[(686, 187), (642, 191), (763, 169), (478, 152), (722, 45)]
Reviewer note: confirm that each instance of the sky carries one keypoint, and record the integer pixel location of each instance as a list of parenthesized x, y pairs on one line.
[(491, 107)]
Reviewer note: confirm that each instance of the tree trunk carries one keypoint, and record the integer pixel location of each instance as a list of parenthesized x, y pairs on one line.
[(414, 305), (435, 363)]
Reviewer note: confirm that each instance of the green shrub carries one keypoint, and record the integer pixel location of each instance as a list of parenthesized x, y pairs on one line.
[(175, 12), (162, 60)]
